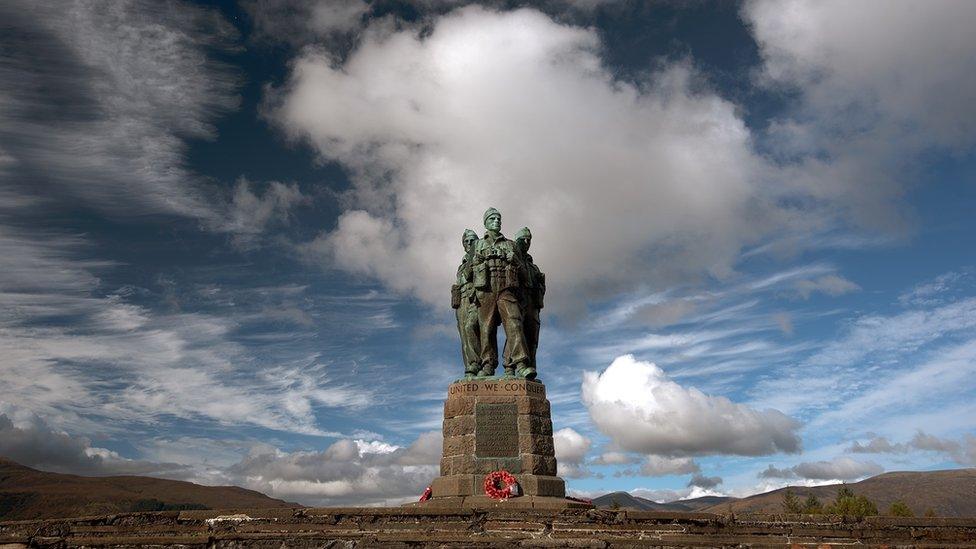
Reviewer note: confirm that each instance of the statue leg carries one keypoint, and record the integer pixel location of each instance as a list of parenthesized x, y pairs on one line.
[(510, 311), (488, 322), (470, 339), (532, 325), (459, 315)]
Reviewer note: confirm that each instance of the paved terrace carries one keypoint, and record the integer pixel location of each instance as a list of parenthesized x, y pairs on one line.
[(499, 527)]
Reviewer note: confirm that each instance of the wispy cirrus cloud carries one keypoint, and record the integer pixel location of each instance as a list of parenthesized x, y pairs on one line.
[(76, 352), (99, 98)]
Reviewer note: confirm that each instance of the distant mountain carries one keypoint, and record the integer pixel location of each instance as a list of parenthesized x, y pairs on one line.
[(27, 493), (705, 502), (627, 501), (949, 493)]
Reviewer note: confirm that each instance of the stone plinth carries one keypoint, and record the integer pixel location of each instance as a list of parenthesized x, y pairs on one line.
[(495, 425)]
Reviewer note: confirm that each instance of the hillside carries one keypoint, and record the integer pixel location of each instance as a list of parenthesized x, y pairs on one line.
[(627, 501), (27, 493), (949, 493)]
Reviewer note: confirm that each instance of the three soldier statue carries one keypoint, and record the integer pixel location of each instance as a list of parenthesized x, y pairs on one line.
[(498, 283)]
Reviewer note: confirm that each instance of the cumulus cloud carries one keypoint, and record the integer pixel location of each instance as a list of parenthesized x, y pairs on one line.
[(877, 445), (426, 125), (879, 83), (342, 473), (657, 466), (35, 444), (961, 451), (423, 118), (839, 468), (706, 483), (616, 458), (571, 448), (641, 410)]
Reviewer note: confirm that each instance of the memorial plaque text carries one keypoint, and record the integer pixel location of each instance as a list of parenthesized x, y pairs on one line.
[(496, 431)]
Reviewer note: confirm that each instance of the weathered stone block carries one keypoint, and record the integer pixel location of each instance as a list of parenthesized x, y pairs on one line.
[(461, 406), (459, 426), (463, 465), (539, 465), (512, 465), (533, 405), (455, 485), (539, 485), (460, 445), (536, 444), (530, 424)]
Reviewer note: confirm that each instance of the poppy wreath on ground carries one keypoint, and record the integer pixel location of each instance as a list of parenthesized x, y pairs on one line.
[(501, 485), (426, 495)]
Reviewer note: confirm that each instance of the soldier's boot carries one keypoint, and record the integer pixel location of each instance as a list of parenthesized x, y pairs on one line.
[(526, 370), (471, 371), (510, 371), (487, 371)]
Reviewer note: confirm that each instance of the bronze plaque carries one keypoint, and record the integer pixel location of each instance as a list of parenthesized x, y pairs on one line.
[(496, 430)]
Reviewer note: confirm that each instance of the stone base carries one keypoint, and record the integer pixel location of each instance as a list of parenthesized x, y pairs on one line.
[(473, 485), (485, 502), (501, 424)]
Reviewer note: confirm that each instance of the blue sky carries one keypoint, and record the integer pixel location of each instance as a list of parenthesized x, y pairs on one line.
[(228, 232)]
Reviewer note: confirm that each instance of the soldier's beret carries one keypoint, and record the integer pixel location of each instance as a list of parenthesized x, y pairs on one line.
[(488, 212)]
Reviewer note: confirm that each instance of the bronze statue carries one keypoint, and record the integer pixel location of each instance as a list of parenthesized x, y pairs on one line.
[(533, 290), (466, 305), (498, 284)]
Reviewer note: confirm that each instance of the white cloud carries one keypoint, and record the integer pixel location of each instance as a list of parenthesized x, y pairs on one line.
[(99, 97), (657, 466), (249, 214), (879, 84), (616, 458), (839, 468), (78, 358), (425, 124), (962, 452), (33, 443), (641, 410), (571, 449), (936, 291), (913, 355), (703, 482), (340, 474), (300, 21), (832, 285)]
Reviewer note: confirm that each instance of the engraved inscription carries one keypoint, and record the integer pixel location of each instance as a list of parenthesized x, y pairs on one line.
[(496, 430), (498, 387)]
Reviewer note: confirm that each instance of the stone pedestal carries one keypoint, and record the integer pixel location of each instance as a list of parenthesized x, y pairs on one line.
[(493, 425)]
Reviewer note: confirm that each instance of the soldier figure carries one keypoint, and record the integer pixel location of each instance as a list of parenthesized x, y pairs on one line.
[(533, 291), (465, 303), (497, 281)]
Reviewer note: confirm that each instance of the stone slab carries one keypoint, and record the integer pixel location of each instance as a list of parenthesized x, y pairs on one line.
[(541, 485), (455, 486)]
